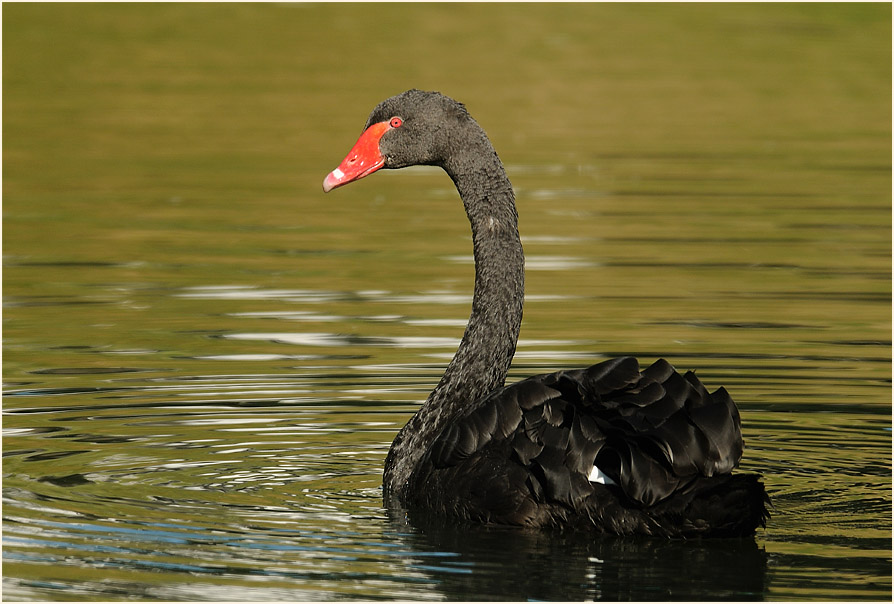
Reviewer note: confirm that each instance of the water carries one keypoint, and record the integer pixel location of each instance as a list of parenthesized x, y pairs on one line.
[(206, 359)]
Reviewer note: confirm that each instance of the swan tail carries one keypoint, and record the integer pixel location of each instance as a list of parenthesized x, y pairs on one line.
[(731, 505)]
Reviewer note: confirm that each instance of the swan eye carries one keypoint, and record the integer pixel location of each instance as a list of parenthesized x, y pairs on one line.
[(396, 122)]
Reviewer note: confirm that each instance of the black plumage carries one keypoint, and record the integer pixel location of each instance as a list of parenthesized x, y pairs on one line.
[(524, 454), (657, 435)]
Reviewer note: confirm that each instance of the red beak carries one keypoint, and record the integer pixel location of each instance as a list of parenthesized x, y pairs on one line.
[(363, 159)]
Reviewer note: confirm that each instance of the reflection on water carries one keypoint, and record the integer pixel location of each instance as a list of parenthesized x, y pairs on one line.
[(454, 564), (554, 566), (205, 360)]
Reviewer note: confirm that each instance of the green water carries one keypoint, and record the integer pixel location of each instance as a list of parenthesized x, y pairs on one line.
[(205, 358)]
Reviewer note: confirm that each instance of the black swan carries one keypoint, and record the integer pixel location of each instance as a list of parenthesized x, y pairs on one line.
[(610, 447)]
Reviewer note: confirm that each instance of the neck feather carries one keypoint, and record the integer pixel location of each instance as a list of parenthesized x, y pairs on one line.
[(488, 344), (485, 353)]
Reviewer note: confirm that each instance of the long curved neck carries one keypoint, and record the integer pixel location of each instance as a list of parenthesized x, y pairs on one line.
[(485, 353), (488, 344)]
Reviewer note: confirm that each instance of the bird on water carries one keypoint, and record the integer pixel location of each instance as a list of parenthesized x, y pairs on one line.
[(612, 448)]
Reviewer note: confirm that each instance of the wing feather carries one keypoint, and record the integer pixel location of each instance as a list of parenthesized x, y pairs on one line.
[(651, 432)]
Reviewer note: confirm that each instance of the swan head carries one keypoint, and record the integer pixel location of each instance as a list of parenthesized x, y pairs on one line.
[(409, 129)]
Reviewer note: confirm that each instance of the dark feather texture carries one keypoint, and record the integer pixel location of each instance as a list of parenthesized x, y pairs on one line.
[(666, 442)]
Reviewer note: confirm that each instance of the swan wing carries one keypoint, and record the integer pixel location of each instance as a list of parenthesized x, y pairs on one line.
[(646, 433)]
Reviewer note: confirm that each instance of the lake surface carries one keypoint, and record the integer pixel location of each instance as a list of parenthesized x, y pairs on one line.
[(206, 359)]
